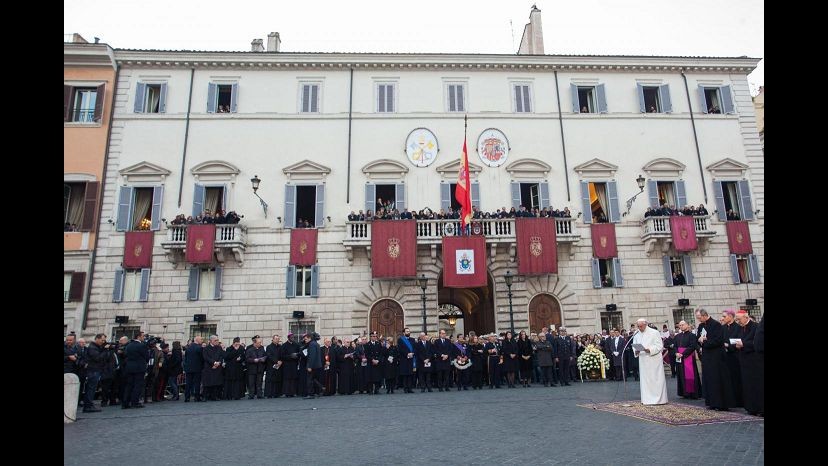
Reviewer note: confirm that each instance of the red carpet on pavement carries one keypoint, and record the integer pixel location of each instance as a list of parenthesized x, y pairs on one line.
[(674, 414)]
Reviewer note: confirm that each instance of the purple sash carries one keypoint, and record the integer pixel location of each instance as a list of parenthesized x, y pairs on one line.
[(689, 374), (460, 347)]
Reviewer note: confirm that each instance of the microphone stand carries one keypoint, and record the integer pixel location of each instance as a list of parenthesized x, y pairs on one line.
[(624, 372)]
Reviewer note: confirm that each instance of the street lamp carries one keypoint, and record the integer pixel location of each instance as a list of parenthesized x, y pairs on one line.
[(255, 181), (423, 281), (509, 277), (451, 314), (640, 180)]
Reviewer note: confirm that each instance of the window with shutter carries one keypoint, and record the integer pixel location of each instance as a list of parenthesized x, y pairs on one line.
[(83, 104), (456, 97), (310, 97), (523, 98), (385, 98)]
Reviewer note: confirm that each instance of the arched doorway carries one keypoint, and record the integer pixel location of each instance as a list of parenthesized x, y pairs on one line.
[(477, 305), (544, 310), (386, 317)]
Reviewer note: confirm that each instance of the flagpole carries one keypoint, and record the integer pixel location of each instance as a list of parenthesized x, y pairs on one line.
[(465, 137)]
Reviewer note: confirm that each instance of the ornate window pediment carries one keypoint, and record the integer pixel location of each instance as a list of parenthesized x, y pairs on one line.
[(528, 168), (385, 169), (144, 171), (215, 170), (597, 169), (664, 168), (727, 168), (451, 169), (306, 170)]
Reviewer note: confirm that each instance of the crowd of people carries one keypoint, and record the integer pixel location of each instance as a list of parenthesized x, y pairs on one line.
[(218, 217), (389, 212), (670, 210)]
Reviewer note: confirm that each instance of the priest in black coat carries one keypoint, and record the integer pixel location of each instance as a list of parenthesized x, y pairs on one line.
[(256, 358), (345, 367), (289, 355), (732, 330), (752, 365), (688, 381), (212, 377), (273, 375), (233, 363), (718, 392), (408, 361)]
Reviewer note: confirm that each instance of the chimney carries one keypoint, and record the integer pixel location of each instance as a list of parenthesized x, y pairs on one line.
[(273, 42), (78, 39), (532, 41), (256, 45)]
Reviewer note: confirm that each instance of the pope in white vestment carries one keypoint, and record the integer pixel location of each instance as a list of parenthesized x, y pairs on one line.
[(650, 365)]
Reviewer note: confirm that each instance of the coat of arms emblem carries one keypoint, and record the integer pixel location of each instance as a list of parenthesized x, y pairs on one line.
[(683, 233), (465, 262), (199, 244), (137, 250), (535, 246), (393, 248), (603, 241), (303, 246), (739, 237)]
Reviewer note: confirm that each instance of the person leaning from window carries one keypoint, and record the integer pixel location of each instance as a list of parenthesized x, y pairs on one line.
[(607, 281), (731, 215), (652, 109), (714, 109), (700, 210)]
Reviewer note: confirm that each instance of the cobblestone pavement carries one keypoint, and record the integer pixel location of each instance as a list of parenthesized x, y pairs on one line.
[(534, 425)]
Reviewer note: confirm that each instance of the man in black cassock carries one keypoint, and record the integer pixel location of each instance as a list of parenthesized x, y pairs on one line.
[(329, 350), (255, 356), (212, 377), (688, 381), (373, 353), (345, 367), (752, 366), (718, 392), (289, 355), (732, 330), (408, 361), (233, 362), (273, 376)]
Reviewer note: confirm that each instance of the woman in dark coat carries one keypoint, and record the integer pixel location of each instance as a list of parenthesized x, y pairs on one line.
[(525, 353), (509, 350), (478, 361), (390, 360), (233, 358), (174, 360)]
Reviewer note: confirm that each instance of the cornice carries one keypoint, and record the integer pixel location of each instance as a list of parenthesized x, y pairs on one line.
[(88, 55)]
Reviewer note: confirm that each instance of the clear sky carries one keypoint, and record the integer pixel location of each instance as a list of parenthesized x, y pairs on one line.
[(728, 28)]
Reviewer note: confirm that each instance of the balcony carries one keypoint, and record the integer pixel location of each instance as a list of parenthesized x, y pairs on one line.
[(430, 232), (657, 229), (230, 240)]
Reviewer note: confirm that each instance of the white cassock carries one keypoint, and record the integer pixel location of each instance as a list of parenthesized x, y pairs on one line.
[(651, 368)]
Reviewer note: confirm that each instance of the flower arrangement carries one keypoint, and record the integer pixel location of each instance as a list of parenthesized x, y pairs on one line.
[(145, 224), (590, 359)]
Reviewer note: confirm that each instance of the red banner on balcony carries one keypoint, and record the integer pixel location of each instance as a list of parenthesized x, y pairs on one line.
[(393, 248), (683, 229), (138, 250), (464, 261), (200, 239), (303, 246), (537, 247), (604, 245), (738, 237)]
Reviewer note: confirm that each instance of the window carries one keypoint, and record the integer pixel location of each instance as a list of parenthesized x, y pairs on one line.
[(716, 99), (73, 202), (214, 198), (611, 320), (385, 196), (153, 98), (599, 202), (131, 285), (685, 314), (588, 99), (302, 281), (142, 209), (677, 270), (530, 196), (129, 331), (139, 208), (222, 98), (304, 206), (712, 98), (204, 283), (67, 285), (204, 331), (449, 200), (310, 98), (745, 268), (301, 327), (385, 98), (83, 105), (733, 201), (606, 273), (652, 102), (599, 205), (456, 97), (753, 311), (522, 98), (654, 99), (73, 286)]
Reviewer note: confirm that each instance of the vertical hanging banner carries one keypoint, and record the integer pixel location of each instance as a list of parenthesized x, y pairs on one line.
[(138, 249), (536, 246), (303, 246), (604, 245), (684, 233), (464, 261), (393, 248), (200, 240), (738, 237)]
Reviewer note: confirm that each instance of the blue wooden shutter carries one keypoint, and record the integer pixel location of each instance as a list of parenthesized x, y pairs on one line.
[(140, 90), (515, 194), (586, 205), (389, 99), (290, 284), (576, 103), (118, 289), (315, 98), (198, 199), (212, 97), (124, 209), (652, 193), (754, 269), (668, 272), (734, 269), (612, 194), (445, 196), (746, 204), (475, 194), (666, 102), (727, 100), (217, 290), (703, 99), (192, 285), (688, 269), (452, 106), (642, 106), (399, 194), (234, 98), (314, 281), (290, 206), (527, 99), (596, 273), (544, 194), (145, 282), (461, 102), (370, 198), (381, 98), (718, 195), (518, 98), (157, 200), (320, 206), (162, 104), (681, 194), (602, 98), (619, 278)]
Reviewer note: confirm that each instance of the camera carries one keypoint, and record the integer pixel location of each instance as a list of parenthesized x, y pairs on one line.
[(152, 340)]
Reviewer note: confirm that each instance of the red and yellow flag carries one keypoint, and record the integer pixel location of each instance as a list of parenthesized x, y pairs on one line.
[(463, 191)]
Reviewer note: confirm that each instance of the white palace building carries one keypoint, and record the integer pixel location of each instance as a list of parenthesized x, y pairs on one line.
[(325, 134)]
